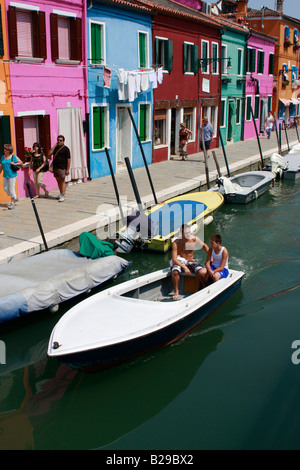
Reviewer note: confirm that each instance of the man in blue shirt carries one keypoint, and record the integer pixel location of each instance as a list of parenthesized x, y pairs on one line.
[(207, 133)]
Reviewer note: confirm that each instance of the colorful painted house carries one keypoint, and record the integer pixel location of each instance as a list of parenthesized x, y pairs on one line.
[(234, 40), (6, 110), (286, 61), (48, 80), (259, 81), (186, 43), (120, 82)]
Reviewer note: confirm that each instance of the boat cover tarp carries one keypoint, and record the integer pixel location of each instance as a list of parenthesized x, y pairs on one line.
[(93, 248), (49, 278)]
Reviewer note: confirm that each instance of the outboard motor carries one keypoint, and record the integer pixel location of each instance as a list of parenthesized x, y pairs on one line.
[(277, 164), (225, 186), (139, 226)]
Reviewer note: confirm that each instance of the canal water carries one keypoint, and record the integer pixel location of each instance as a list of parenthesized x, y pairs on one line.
[(233, 383)]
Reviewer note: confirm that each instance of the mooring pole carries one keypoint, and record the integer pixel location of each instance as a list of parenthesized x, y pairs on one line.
[(115, 184), (279, 127), (217, 164), (37, 216), (134, 185), (143, 154), (276, 130), (224, 153), (287, 139), (257, 136), (297, 130)]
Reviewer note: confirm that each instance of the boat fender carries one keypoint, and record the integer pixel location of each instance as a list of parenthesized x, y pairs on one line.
[(256, 194), (208, 220), (194, 228), (54, 308)]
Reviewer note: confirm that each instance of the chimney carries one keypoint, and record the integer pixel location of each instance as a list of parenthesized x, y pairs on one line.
[(279, 6), (241, 10)]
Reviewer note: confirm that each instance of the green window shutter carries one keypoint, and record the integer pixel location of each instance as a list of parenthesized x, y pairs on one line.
[(240, 70), (143, 122), (260, 61), (142, 50), (169, 55), (256, 108), (222, 119), (5, 137), (156, 52), (269, 103), (96, 46), (248, 111), (252, 60), (195, 55), (98, 127), (271, 64), (185, 47)]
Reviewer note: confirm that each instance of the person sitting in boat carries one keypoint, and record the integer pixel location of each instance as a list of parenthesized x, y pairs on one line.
[(216, 266), (183, 258)]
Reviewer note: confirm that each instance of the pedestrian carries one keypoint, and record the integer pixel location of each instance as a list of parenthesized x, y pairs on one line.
[(269, 124), (184, 134), (207, 133), (39, 163), (61, 164), (9, 163)]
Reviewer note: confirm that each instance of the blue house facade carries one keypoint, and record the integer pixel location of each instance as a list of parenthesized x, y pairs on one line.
[(119, 67)]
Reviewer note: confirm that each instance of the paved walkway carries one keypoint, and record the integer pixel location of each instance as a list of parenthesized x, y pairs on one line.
[(92, 204)]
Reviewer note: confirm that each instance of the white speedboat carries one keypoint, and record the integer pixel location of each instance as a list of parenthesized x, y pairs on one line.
[(244, 187), (134, 317)]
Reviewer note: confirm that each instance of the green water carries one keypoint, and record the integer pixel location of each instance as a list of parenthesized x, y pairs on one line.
[(230, 384)]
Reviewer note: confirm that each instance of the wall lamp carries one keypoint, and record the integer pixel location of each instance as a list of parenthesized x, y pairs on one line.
[(203, 63)]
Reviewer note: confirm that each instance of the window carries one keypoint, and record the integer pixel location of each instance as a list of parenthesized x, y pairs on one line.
[(294, 72), (143, 49), (215, 55), (271, 63), (190, 58), (296, 36), (223, 113), (160, 125), (269, 103), (240, 70), (31, 129), (66, 38), (97, 49), (164, 53), (248, 108), (238, 111), (286, 33), (27, 33), (251, 59), (214, 118), (5, 137), (224, 62), (144, 122), (99, 126), (260, 61), (204, 55), (256, 107)]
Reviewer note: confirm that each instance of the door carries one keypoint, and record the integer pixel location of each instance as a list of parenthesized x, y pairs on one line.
[(124, 133), (231, 120)]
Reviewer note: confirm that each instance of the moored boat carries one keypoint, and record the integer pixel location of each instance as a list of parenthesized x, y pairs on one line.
[(244, 187), (134, 317), (162, 223)]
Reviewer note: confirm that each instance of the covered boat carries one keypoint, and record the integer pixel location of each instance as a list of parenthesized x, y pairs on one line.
[(154, 229), (134, 317), (45, 280), (292, 166), (244, 187)]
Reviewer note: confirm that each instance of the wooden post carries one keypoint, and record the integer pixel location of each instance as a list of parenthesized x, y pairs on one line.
[(224, 153)]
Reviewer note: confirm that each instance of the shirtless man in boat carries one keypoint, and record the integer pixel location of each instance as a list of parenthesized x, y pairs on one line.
[(183, 258)]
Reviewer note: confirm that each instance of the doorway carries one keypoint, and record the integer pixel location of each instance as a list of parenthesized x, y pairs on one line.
[(124, 137)]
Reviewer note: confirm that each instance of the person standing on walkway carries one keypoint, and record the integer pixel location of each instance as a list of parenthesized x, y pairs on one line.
[(207, 134), (7, 162), (61, 164), (38, 161), (269, 124), (184, 134)]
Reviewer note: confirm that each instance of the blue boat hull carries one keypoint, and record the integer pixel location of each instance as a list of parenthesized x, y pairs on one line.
[(99, 358)]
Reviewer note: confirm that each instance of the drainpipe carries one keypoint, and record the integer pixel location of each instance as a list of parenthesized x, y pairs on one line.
[(85, 78)]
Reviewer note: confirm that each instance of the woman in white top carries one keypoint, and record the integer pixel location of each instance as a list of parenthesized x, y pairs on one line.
[(269, 124)]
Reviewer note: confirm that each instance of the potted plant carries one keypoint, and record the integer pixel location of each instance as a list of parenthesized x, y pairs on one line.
[(28, 153), (287, 43)]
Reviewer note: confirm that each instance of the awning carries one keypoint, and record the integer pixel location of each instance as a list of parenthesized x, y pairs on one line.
[(285, 102), (295, 101)]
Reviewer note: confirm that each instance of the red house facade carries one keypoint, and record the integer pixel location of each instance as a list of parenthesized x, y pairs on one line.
[(187, 44)]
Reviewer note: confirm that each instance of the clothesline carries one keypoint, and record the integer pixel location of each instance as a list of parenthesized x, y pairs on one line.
[(132, 82)]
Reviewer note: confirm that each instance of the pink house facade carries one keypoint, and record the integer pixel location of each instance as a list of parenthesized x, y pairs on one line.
[(259, 81), (48, 81)]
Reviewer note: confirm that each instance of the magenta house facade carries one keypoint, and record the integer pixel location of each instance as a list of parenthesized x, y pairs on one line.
[(259, 81), (48, 80)]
